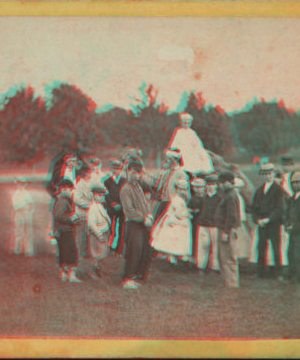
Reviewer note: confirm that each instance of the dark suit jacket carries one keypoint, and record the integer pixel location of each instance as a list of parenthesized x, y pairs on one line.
[(62, 213), (113, 197), (269, 205)]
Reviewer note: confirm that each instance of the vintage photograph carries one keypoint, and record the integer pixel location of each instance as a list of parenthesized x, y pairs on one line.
[(150, 178)]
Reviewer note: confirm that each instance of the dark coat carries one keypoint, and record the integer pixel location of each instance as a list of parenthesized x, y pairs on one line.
[(269, 205), (227, 214)]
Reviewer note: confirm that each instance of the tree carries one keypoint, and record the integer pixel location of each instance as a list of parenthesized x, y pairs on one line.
[(72, 121), (21, 122), (268, 128), (150, 126)]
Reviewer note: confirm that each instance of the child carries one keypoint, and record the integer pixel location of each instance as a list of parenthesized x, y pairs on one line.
[(196, 205), (98, 228), (64, 219), (22, 203), (172, 234), (207, 253)]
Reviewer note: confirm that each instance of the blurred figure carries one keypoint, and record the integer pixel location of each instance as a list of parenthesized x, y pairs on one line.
[(114, 182), (97, 175), (195, 158), (22, 204), (172, 234), (287, 164), (98, 228), (228, 221), (64, 220)]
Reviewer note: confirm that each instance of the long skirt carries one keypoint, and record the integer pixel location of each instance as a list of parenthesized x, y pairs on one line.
[(284, 244), (136, 251), (228, 260), (67, 252), (207, 247), (175, 239)]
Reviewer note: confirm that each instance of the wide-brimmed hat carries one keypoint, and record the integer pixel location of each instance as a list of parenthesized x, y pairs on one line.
[(266, 168), (226, 176)]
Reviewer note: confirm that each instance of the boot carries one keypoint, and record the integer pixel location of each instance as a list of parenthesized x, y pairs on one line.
[(63, 275), (72, 277)]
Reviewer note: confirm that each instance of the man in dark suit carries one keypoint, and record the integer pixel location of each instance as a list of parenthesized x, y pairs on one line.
[(292, 226), (114, 182), (267, 212)]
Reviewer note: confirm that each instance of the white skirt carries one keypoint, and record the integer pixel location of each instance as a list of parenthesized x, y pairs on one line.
[(175, 239)]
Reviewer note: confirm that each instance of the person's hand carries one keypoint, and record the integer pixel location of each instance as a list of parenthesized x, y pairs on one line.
[(117, 207), (148, 220), (234, 234), (263, 222), (75, 219), (288, 228), (224, 237)]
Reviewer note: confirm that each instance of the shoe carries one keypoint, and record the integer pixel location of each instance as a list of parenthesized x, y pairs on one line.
[(172, 259), (280, 278), (93, 275), (63, 275), (130, 284), (72, 277)]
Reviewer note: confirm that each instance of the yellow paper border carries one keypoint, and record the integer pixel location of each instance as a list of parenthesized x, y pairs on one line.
[(105, 348), (151, 8)]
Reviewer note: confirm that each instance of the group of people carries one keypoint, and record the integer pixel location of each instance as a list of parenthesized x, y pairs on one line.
[(194, 210)]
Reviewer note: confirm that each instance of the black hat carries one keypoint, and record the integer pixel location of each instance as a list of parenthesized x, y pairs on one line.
[(226, 176), (286, 160), (64, 183), (210, 179), (135, 164), (99, 189)]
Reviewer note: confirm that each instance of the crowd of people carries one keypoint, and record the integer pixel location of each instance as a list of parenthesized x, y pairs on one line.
[(193, 210)]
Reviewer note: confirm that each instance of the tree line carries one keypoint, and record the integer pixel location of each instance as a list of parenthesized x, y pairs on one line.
[(32, 127)]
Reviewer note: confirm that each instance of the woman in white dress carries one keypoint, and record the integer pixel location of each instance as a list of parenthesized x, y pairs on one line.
[(172, 234)]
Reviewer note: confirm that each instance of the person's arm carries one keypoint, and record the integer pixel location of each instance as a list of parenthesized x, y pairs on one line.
[(62, 213), (232, 215), (276, 215)]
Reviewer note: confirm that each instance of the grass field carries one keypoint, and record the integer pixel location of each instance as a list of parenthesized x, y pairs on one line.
[(173, 303)]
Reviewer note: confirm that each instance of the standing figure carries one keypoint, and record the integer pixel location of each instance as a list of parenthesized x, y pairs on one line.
[(98, 229), (172, 234), (22, 204), (64, 220), (267, 213), (208, 231), (138, 221), (196, 205), (195, 158), (114, 182), (243, 245), (167, 184), (292, 226), (82, 199), (228, 221)]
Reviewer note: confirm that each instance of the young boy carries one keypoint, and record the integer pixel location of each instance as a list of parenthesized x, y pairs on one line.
[(208, 227), (138, 221), (64, 220), (196, 205), (98, 228)]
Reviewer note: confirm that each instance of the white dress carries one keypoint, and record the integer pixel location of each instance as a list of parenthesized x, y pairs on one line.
[(172, 233), (194, 156)]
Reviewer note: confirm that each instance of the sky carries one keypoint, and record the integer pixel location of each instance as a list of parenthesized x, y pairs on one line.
[(231, 61)]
